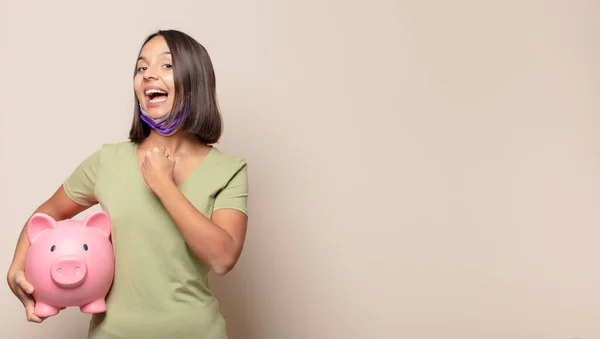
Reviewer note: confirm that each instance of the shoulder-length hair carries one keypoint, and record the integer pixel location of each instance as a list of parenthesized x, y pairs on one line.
[(195, 90)]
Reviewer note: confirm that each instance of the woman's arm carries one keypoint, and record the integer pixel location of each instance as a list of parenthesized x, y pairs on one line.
[(217, 241)]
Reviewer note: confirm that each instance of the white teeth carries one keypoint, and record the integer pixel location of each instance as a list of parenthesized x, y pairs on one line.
[(158, 99), (150, 91)]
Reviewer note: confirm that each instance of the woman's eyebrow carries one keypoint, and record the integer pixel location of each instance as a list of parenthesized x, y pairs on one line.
[(163, 53)]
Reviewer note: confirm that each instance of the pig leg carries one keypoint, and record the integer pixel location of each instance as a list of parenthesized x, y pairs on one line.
[(44, 310), (96, 306)]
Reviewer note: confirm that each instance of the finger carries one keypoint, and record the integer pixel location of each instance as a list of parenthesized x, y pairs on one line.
[(29, 308), (24, 297), (27, 287), (33, 318), (23, 283), (29, 305)]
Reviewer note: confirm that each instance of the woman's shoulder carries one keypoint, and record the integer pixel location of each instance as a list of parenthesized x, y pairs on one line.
[(120, 148), (111, 152), (225, 159)]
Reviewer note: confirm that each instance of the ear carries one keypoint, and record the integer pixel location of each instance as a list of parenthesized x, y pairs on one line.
[(38, 223), (99, 220)]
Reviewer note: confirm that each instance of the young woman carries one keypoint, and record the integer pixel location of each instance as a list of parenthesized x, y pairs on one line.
[(177, 204)]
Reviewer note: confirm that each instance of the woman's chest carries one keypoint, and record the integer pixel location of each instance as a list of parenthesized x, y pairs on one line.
[(123, 195)]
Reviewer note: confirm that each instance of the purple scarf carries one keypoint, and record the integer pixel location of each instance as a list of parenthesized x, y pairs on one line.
[(161, 125)]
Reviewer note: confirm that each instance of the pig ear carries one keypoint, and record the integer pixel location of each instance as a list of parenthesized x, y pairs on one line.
[(99, 220), (38, 223)]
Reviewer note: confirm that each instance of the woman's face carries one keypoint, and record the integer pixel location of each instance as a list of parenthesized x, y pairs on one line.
[(153, 82)]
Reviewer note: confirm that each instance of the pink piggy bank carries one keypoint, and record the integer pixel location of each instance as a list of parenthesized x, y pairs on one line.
[(69, 263)]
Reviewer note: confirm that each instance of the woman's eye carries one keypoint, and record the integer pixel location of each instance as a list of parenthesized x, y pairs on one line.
[(168, 66), (140, 69)]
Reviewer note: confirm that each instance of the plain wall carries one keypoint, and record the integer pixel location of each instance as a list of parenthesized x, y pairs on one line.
[(419, 169)]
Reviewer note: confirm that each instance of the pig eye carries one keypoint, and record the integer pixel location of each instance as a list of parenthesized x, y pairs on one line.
[(85, 247), (52, 248)]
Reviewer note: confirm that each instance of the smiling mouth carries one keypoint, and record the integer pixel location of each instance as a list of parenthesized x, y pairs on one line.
[(156, 95)]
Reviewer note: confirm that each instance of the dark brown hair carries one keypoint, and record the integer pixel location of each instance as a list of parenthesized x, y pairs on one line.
[(195, 89)]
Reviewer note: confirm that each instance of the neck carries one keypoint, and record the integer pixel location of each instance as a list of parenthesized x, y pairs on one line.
[(174, 144)]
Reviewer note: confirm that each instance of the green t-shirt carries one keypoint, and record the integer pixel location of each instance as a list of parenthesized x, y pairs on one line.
[(161, 289)]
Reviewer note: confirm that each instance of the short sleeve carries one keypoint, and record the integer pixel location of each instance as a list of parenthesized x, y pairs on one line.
[(80, 185), (235, 193)]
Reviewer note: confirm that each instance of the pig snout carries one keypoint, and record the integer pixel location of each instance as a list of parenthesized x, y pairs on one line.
[(69, 272)]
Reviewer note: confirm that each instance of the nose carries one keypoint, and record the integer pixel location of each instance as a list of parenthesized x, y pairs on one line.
[(150, 73), (69, 272), (148, 76)]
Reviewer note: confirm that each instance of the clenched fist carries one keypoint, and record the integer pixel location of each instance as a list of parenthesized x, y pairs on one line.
[(157, 168)]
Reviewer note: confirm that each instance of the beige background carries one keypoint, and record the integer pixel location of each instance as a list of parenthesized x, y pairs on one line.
[(419, 169)]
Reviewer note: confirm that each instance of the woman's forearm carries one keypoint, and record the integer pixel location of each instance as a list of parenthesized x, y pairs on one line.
[(211, 243), (18, 261)]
